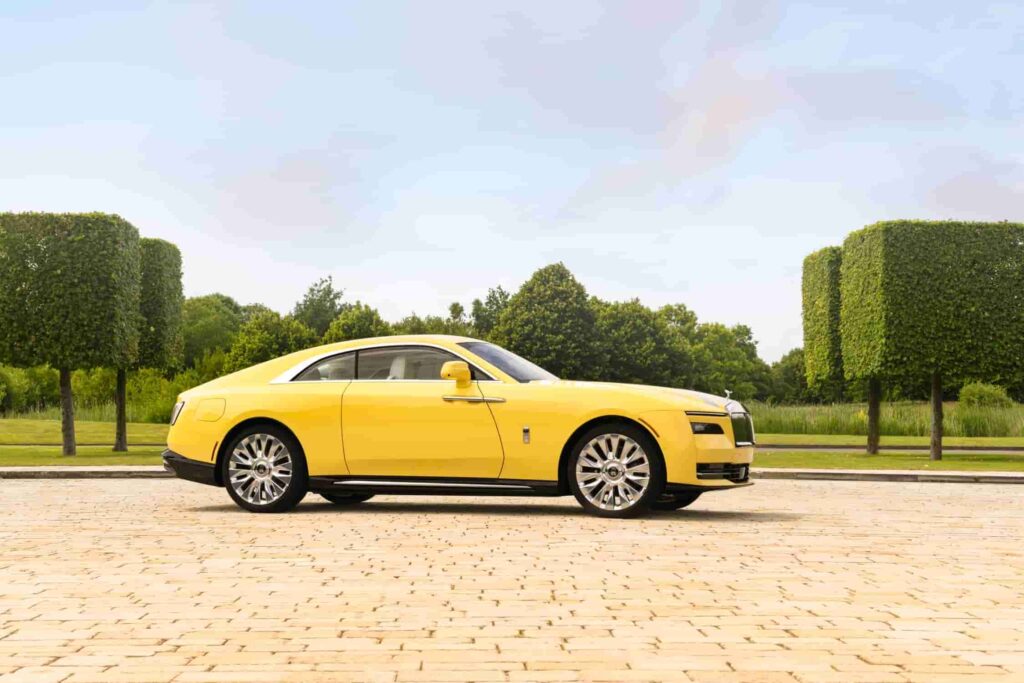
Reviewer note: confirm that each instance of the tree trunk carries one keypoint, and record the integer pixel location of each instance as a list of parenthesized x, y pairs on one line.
[(120, 399), (67, 413), (936, 451), (874, 413)]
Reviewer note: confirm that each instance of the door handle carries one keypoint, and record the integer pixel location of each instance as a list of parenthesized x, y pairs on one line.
[(473, 399)]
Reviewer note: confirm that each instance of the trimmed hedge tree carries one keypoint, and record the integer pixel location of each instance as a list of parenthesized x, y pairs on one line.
[(160, 337), (823, 354), (937, 299), (69, 296)]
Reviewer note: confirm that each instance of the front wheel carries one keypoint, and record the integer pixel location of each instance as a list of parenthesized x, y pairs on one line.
[(616, 470), (264, 469)]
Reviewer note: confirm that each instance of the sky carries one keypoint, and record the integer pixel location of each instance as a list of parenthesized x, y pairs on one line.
[(420, 153)]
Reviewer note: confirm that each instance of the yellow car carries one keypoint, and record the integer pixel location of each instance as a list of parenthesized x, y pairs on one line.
[(431, 414)]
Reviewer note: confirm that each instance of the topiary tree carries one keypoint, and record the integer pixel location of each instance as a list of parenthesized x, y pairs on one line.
[(267, 335), (69, 296), (823, 355), (357, 321), (160, 335), (936, 299), (550, 322)]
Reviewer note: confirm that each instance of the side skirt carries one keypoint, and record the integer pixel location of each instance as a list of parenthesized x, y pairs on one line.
[(432, 486)]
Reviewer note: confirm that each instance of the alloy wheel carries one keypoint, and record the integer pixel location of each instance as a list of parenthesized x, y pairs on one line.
[(260, 469), (613, 472)]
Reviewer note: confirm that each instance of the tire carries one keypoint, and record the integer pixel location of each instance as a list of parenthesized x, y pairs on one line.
[(347, 498), (264, 469), (616, 470), (675, 501)]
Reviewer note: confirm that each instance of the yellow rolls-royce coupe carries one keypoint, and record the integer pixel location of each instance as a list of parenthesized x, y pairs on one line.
[(451, 415)]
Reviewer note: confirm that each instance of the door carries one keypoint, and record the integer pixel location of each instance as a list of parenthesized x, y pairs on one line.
[(398, 418)]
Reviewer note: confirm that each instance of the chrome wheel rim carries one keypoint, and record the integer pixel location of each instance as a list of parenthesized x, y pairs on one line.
[(613, 472), (260, 469)]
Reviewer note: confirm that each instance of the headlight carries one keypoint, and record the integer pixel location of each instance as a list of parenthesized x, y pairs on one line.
[(176, 411), (706, 428)]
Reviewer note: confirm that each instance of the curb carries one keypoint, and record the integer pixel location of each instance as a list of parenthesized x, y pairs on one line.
[(158, 472), (883, 447), (893, 475)]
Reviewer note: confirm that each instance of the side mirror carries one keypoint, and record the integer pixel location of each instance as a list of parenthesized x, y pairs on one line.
[(457, 370)]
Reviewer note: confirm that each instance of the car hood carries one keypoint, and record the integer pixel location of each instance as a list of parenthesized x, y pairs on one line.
[(691, 400)]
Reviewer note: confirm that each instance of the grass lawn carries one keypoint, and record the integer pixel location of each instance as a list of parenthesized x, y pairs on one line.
[(15, 431), (891, 460), (853, 440), (31, 456)]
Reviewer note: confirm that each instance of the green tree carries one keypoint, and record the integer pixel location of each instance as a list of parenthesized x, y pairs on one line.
[(821, 306), (320, 305), (357, 321), (727, 361), (550, 321), (69, 296), (160, 340), (637, 345), (484, 314), (209, 324), (681, 324), (265, 336), (933, 299), (789, 379)]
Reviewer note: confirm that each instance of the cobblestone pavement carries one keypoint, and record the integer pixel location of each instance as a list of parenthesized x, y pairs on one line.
[(784, 581)]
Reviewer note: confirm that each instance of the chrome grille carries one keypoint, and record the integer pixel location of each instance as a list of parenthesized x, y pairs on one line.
[(742, 429), (734, 472)]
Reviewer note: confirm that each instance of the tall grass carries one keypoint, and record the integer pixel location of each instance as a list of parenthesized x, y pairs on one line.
[(898, 419)]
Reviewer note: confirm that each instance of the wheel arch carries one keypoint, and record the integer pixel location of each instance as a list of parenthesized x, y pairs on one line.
[(222, 449), (563, 460)]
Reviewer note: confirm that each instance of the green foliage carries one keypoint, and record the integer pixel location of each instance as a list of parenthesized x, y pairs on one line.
[(789, 379), (637, 345), (897, 419), (484, 314), (984, 395), (320, 305), (926, 296), (550, 321), (69, 290), (161, 343), (266, 336), (357, 321), (821, 307), (209, 324), (727, 360)]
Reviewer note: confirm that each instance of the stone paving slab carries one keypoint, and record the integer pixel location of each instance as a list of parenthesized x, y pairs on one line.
[(107, 580)]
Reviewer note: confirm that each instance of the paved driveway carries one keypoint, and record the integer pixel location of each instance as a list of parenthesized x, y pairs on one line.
[(807, 581)]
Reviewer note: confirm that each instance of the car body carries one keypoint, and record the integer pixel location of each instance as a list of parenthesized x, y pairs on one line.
[(438, 414)]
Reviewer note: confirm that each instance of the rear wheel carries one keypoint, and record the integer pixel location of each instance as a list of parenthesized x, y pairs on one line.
[(675, 501), (616, 470), (347, 498), (264, 469)]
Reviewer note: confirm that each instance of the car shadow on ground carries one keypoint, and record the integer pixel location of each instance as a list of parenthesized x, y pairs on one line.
[(420, 507)]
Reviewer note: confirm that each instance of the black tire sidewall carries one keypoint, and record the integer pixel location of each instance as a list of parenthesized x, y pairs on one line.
[(650, 446), (346, 499), (297, 487), (679, 501)]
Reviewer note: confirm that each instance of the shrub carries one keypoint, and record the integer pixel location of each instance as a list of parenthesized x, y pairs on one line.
[(984, 395), (823, 357)]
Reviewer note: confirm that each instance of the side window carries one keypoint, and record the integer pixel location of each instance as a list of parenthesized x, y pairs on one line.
[(334, 368), (402, 362)]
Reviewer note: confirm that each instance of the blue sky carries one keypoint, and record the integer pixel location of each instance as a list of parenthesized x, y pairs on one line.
[(422, 152)]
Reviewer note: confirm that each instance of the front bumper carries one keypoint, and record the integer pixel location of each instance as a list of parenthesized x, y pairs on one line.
[(192, 470)]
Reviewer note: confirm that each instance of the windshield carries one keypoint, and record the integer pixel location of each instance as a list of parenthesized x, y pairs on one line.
[(517, 368)]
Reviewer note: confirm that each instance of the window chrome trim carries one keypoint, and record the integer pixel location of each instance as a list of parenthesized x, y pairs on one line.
[(291, 373)]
